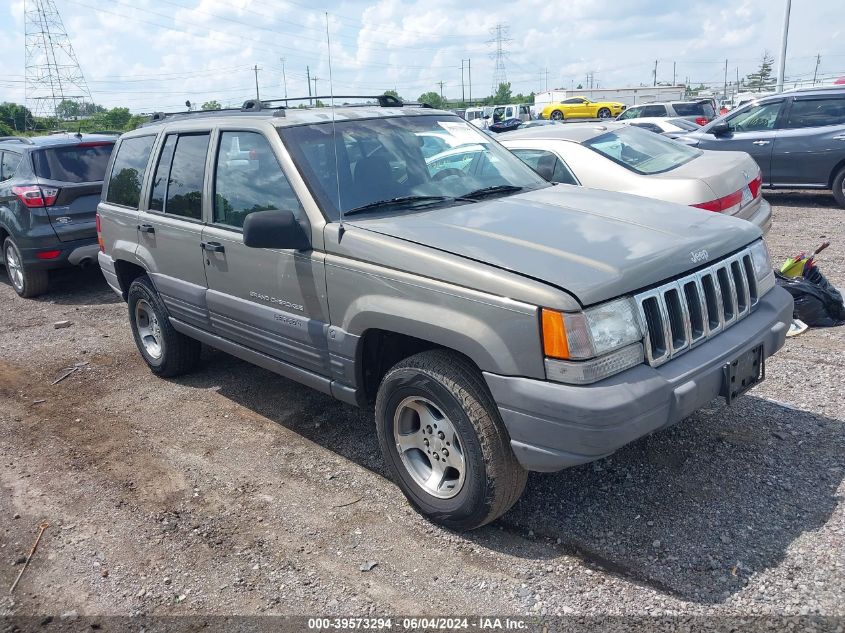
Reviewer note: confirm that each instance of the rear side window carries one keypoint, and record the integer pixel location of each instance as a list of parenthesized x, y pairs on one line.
[(817, 112), (653, 110), (248, 178), (128, 171), (630, 113), (9, 165), (178, 179), (547, 164), (704, 109), (73, 163)]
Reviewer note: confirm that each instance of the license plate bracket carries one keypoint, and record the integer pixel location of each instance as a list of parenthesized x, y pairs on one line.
[(743, 373)]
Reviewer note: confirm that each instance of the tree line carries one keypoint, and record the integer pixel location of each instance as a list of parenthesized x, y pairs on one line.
[(18, 120)]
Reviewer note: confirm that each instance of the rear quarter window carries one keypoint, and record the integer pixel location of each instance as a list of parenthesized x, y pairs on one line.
[(127, 174), (817, 112), (73, 163)]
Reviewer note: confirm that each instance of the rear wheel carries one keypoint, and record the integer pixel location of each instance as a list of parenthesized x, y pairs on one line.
[(839, 187), (26, 282), (557, 115), (604, 113), (444, 441), (166, 351)]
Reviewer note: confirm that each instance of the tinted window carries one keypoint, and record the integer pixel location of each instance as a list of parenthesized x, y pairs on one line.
[(817, 112), (547, 164), (127, 174), (576, 100), (703, 109), (684, 124), (641, 151), (248, 178), (653, 110), (755, 118), (73, 163), (9, 165), (161, 174), (184, 185)]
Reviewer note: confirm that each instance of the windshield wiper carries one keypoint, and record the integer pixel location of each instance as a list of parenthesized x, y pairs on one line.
[(392, 202), (487, 191)]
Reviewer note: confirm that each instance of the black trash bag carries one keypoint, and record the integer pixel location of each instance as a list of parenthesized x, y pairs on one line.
[(817, 302)]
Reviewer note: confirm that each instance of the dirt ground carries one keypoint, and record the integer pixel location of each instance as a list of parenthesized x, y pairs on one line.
[(234, 491)]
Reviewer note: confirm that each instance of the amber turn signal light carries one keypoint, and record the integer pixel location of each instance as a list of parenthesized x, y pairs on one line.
[(555, 344)]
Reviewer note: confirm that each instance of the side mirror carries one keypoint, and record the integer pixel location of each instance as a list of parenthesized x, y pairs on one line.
[(720, 129), (275, 229)]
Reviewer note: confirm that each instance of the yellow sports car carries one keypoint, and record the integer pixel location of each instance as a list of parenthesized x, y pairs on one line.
[(582, 108)]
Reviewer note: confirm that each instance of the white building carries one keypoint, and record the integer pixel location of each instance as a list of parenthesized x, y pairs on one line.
[(628, 96)]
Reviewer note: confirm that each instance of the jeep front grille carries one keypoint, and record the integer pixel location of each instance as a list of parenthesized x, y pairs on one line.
[(681, 314)]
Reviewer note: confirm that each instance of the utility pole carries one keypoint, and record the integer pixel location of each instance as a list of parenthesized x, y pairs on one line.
[(547, 78), (655, 71), (441, 90), (315, 79), (816, 71), (784, 37), (257, 96), (725, 89), (284, 79), (463, 96), (469, 68), (674, 68), (308, 81)]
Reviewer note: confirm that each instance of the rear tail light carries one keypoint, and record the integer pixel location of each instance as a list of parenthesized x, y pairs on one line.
[(702, 120), (48, 254), (34, 196), (721, 204), (755, 185), (100, 242)]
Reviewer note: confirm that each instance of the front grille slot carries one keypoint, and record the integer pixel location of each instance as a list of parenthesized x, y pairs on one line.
[(681, 314)]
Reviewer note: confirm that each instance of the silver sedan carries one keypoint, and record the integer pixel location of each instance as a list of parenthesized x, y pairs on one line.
[(618, 157)]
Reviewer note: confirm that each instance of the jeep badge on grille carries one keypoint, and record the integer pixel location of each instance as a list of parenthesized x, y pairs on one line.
[(696, 257)]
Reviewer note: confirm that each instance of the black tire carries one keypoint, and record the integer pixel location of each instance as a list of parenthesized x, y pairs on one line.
[(27, 282), (493, 479), (839, 187), (179, 354), (557, 115), (604, 113)]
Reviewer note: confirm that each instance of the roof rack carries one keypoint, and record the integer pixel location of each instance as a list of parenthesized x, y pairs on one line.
[(278, 106), (18, 139)]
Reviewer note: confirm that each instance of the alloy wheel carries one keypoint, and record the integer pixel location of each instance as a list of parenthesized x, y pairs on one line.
[(149, 329), (14, 267)]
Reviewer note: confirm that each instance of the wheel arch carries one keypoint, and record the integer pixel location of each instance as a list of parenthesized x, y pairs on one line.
[(127, 272), (835, 171)]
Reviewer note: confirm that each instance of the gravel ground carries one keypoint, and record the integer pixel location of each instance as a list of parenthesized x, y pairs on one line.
[(233, 491)]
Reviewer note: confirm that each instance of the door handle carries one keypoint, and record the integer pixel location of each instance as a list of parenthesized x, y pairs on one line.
[(214, 247), (761, 142), (146, 228)]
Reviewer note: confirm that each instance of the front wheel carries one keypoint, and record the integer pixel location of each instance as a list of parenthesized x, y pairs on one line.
[(557, 115), (26, 282), (166, 351), (444, 441), (839, 187), (604, 113)]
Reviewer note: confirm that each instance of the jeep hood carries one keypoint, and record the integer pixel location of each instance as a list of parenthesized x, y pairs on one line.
[(597, 245)]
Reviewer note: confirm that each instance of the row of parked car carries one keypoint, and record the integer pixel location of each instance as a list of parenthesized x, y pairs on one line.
[(497, 319)]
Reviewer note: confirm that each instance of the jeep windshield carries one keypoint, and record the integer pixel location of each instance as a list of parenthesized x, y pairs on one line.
[(403, 163)]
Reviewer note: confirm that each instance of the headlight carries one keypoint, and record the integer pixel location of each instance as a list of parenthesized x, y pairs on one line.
[(600, 341), (762, 263)]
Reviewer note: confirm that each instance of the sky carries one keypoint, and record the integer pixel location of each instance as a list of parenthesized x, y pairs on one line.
[(152, 55)]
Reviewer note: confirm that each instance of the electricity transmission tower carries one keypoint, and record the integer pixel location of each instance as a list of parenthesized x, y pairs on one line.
[(53, 74), (500, 39)]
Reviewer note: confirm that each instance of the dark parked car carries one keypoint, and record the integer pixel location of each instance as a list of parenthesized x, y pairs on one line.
[(49, 190), (700, 111), (797, 138)]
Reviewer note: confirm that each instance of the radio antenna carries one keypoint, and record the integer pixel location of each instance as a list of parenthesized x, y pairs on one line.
[(334, 131)]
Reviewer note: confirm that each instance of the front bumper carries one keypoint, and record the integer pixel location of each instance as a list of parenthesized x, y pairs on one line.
[(553, 426)]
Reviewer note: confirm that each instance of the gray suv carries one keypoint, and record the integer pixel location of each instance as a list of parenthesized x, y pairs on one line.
[(498, 323)]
